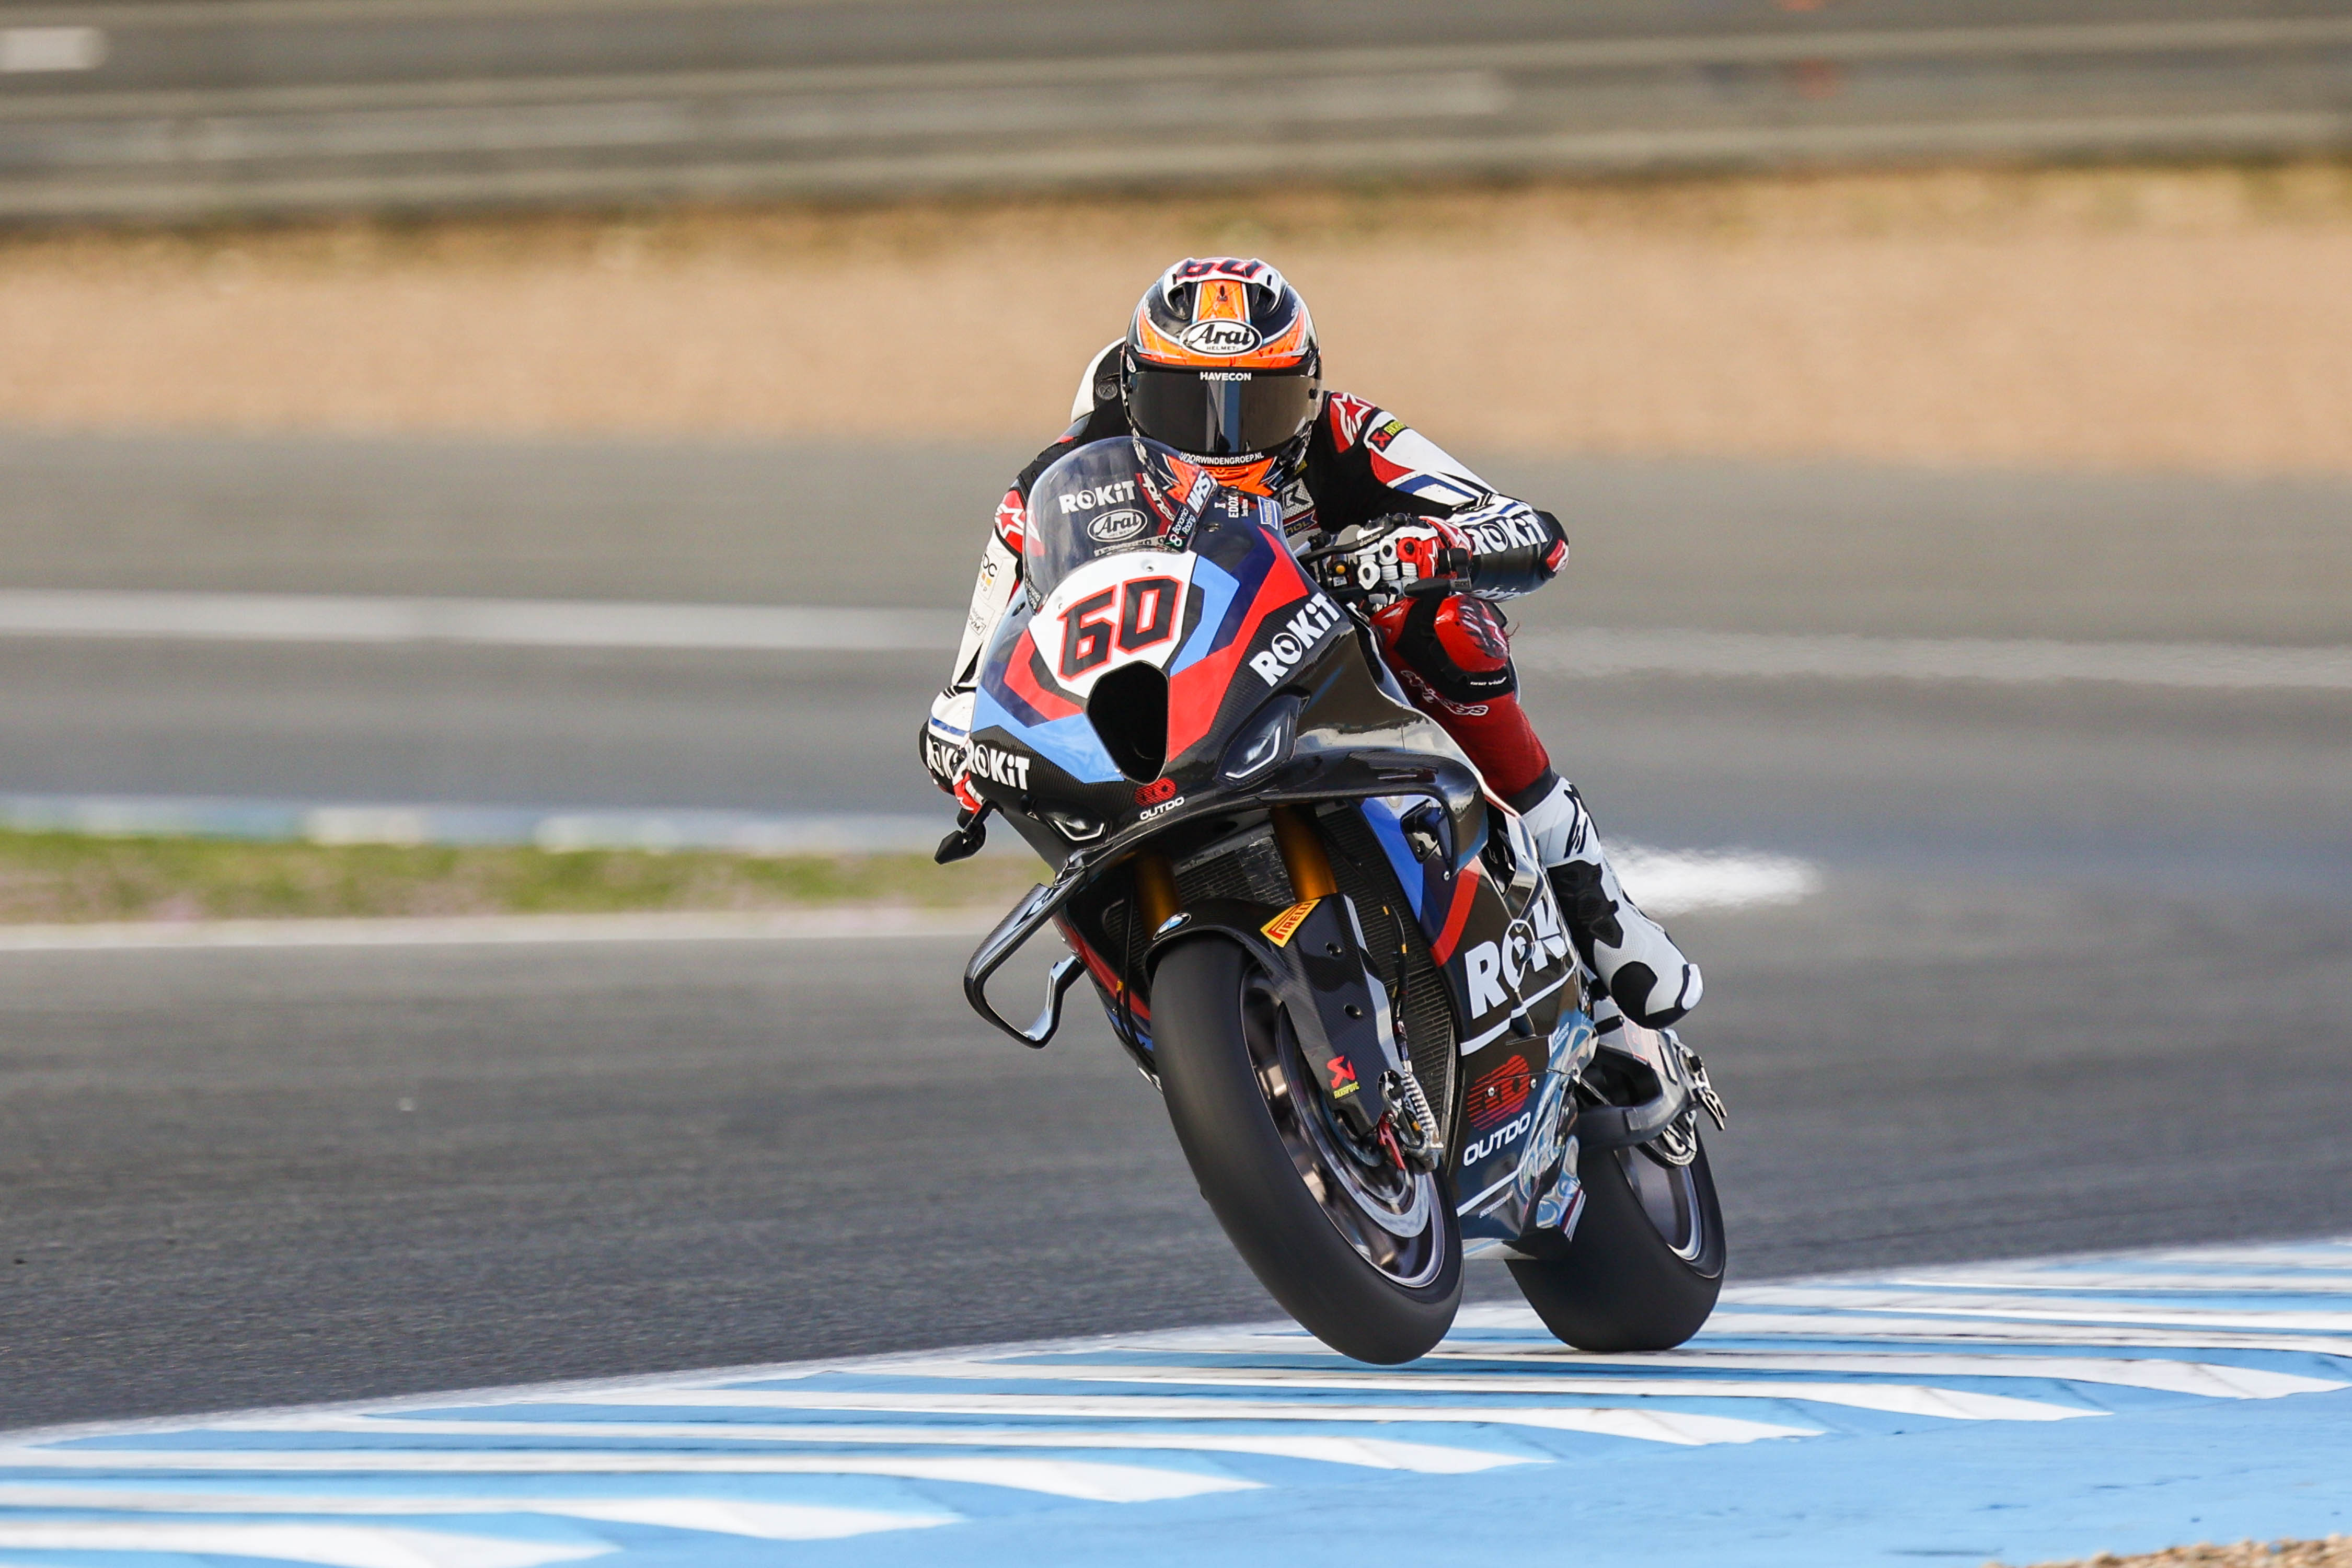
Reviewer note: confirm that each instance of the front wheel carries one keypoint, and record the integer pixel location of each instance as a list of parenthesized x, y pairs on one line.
[(1366, 1255), (1646, 1264)]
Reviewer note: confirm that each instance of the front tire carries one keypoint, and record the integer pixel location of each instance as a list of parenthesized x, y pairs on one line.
[(1367, 1258), (1646, 1265)]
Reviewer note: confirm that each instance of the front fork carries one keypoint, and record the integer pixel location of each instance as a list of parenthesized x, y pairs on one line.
[(1397, 1118)]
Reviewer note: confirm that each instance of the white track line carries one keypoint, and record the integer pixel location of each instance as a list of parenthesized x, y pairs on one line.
[(1084, 1478), (509, 622), (2036, 1308), (1901, 1399), (1590, 653), (718, 1516), (335, 1545), (1674, 1426), (2203, 1379), (1370, 1453), (2004, 660)]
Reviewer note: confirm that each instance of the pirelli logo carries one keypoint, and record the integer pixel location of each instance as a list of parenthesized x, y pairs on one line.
[(1285, 926)]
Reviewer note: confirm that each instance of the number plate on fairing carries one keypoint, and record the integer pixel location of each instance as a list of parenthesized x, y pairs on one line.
[(1123, 609)]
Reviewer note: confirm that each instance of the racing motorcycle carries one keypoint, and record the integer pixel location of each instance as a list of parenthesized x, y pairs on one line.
[(1337, 957)]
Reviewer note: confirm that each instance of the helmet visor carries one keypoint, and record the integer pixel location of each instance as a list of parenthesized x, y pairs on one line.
[(1221, 413)]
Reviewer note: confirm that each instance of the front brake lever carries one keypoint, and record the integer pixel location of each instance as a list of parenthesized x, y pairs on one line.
[(971, 833)]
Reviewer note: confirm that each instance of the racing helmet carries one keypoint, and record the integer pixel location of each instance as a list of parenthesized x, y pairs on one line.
[(1220, 363)]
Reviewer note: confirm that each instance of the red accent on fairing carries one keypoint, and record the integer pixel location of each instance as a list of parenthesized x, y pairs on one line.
[(1099, 968), (1195, 694), (1465, 893), (1557, 557), (1387, 472), (1497, 1094), (1023, 681)]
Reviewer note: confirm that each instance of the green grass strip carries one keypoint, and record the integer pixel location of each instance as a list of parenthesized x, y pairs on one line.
[(66, 877)]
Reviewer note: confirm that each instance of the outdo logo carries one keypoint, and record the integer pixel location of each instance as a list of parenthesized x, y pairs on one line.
[(1494, 1142), (1221, 337), (1113, 526)]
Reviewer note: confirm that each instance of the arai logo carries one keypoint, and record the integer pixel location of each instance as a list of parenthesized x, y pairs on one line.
[(1221, 339), (1113, 526)]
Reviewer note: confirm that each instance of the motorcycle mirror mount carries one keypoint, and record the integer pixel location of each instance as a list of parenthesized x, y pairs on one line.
[(971, 834)]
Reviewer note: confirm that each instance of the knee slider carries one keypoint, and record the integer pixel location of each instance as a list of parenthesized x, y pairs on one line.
[(1458, 645)]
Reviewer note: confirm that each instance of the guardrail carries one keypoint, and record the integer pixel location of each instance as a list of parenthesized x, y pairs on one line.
[(151, 111)]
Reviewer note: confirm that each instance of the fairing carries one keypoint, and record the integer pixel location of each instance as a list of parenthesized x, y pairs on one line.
[(1252, 640)]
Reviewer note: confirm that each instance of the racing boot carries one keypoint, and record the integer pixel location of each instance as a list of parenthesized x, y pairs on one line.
[(1637, 963)]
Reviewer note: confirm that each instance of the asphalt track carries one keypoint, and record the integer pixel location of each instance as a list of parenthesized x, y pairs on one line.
[(2078, 975)]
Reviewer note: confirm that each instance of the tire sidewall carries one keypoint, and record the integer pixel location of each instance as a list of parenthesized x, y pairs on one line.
[(1245, 1170)]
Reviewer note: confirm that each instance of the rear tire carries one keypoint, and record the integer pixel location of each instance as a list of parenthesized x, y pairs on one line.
[(1639, 1275), (1254, 1134)]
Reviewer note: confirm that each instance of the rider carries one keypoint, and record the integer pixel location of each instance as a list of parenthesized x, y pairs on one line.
[(1220, 363)]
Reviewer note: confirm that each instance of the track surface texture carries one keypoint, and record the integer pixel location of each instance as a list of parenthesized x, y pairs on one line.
[(2022, 1411), (249, 1178), (2080, 973)]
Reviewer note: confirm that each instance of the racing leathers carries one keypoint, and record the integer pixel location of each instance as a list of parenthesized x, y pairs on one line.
[(1377, 504)]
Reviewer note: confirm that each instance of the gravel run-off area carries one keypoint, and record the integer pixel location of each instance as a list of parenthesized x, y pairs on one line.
[(2335, 1552), (2143, 318)]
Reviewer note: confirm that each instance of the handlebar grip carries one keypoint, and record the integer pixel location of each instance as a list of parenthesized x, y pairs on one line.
[(1519, 568)]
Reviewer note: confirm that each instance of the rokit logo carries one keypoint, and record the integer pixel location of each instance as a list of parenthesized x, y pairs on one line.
[(1221, 339), (1297, 640), (1113, 526), (1502, 1137), (1493, 972), (999, 766), (1101, 495)]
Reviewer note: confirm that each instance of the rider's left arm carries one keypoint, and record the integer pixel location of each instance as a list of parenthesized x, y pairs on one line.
[(1515, 548)]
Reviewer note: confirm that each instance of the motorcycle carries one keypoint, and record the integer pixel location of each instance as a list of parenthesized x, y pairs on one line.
[(1338, 959)]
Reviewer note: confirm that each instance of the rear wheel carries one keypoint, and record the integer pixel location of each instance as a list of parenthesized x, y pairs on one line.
[(1646, 1265), (1366, 1255)]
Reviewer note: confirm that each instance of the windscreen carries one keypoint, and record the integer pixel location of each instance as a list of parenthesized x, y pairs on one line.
[(1112, 497)]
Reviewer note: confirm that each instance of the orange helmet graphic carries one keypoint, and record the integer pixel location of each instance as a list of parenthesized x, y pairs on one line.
[(1220, 363)]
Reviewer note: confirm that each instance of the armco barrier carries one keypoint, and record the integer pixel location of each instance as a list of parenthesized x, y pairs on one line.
[(236, 108)]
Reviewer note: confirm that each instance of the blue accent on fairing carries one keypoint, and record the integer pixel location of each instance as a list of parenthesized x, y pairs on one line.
[(995, 660), (1410, 875), (1070, 745), (1217, 588)]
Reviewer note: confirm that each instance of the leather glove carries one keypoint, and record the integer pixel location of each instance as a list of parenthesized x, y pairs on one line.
[(1375, 564)]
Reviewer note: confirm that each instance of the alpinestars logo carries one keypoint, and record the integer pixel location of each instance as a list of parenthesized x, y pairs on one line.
[(999, 766), (1297, 640)]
